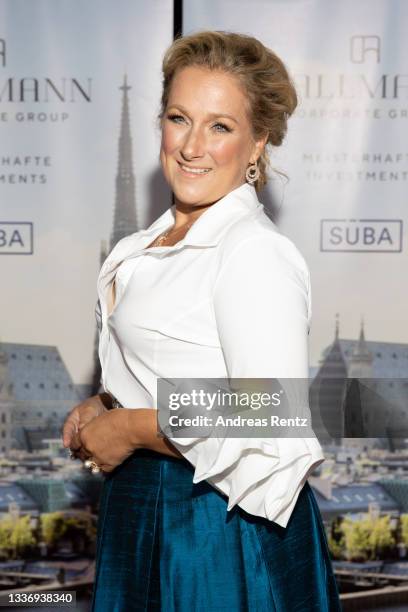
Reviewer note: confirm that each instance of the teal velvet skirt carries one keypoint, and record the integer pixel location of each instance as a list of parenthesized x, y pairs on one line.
[(167, 544)]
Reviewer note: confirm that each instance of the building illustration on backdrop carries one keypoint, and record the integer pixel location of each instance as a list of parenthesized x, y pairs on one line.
[(360, 392), (124, 214), (36, 394)]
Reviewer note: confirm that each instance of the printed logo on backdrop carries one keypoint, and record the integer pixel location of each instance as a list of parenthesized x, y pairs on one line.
[(361, 235), (16, 238), (363, 46), (329, 85), (364, 92), (37, 89), (28, 100)]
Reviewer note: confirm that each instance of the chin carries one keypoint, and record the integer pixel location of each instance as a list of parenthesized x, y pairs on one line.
[(190, 200), (192, 195)]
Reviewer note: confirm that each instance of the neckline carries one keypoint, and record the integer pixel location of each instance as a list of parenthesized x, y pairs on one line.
[(246, 199), (142, 250), (168, 245), (155, 236)]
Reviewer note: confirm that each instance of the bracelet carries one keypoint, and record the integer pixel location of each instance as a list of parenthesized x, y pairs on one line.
[(116, 403), (111, 400)]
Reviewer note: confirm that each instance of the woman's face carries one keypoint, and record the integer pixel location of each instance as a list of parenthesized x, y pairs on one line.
[(207, 142)]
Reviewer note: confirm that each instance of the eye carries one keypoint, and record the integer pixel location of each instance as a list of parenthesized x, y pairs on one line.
[(221, 127), (218, 127), (175, 118)]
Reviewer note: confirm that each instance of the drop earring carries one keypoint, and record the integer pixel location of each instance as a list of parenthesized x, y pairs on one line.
[(252, 174)]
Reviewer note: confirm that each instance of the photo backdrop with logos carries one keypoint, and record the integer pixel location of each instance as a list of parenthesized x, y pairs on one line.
[(69, 141), (62, 87), (345, 205)]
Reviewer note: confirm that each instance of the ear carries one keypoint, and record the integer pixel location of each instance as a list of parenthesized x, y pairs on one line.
[(258, 148)]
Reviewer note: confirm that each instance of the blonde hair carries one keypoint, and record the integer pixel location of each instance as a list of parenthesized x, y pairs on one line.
[(271, 94)]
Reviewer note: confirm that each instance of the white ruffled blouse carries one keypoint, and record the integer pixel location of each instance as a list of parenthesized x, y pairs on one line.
[(232, 299)]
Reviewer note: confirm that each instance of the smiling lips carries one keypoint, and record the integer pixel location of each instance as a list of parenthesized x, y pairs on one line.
[(194, 171)]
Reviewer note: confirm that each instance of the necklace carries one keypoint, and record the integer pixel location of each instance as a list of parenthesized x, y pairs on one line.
[(159, 241)]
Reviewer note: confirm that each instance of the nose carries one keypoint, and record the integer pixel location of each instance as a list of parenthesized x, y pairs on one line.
[(193, 145)]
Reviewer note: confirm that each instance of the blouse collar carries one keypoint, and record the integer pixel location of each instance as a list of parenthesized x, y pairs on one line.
[(205, 232), (211, 224)]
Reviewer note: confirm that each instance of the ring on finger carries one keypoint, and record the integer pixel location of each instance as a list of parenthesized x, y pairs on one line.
[(92, 465)]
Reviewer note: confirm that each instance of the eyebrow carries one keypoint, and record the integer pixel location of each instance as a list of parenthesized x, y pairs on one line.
[(210, 115)]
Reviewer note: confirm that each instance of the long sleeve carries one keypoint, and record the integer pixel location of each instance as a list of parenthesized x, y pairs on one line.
[(262, 309), (261, 304)]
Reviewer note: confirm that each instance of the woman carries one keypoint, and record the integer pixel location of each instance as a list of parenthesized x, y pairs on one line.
[(210, 290)]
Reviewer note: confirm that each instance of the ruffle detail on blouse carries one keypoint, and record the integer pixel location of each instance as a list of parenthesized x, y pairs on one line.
[(263, 476)]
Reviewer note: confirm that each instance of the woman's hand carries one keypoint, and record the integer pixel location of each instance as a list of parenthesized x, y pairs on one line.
[(108, 438), (80, 416)]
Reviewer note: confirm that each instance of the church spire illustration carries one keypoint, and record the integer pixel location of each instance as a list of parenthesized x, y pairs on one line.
[(124, 214), (361, 359), (124, 220)]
